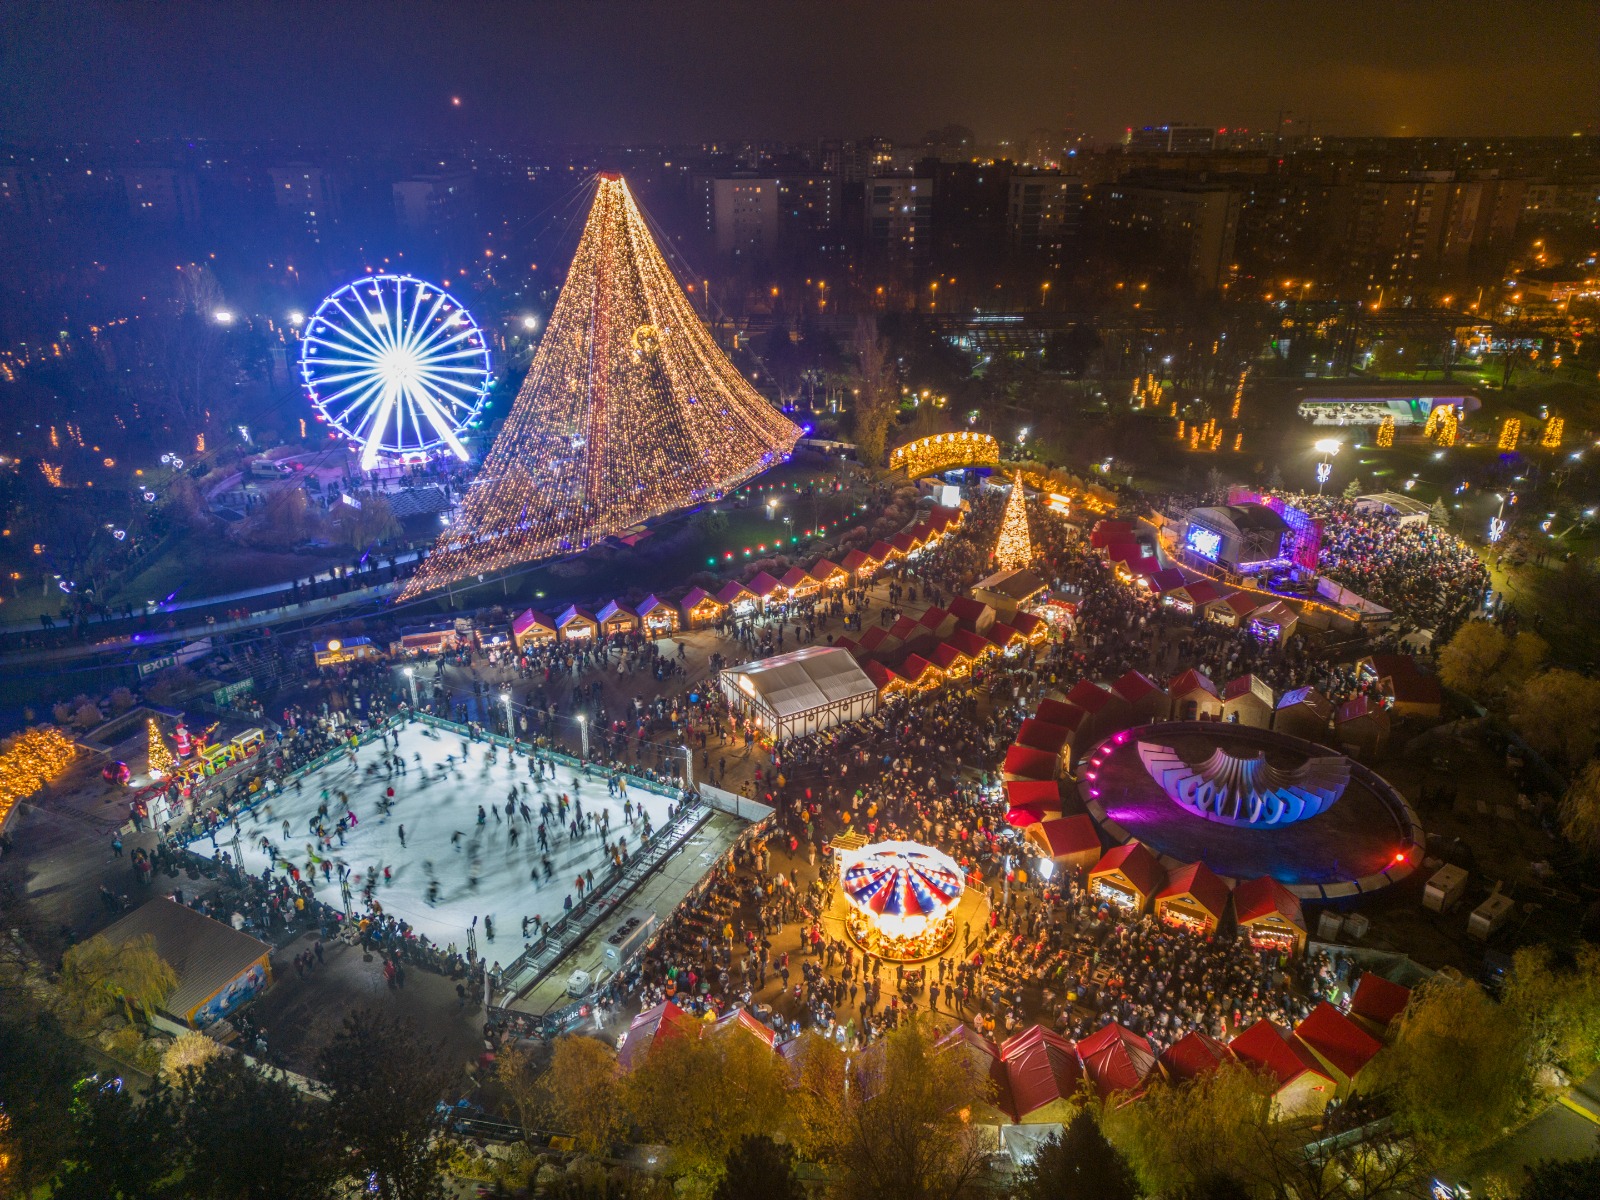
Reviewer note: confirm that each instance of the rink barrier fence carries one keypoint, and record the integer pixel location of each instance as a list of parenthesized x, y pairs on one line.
[(561, 1020)]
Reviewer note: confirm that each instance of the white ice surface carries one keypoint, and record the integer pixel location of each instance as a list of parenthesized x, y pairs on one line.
[(431, 808)]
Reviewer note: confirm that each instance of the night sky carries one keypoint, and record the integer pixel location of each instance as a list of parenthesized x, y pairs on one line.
[(620, 70)]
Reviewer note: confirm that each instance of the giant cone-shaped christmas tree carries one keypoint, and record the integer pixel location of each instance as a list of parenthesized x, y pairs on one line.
[(1013, 549), (630, 410)]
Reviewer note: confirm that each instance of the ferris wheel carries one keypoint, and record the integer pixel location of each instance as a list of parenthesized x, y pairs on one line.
[(396, 365)]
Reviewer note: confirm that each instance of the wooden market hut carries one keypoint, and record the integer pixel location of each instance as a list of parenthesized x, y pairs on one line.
[(766, 589), (1107, 712), (973, 615), (1024, 762), (921, 674), (940, 622), (1146, 699), (1274, 621), (1127, 876), (658, 617), (577, 624), (1362, 726), (829, 574), (951, 661), (1269, 914), (1192, 598), (1304, 712), (885, 680), (1340, 1046), (532, 628), (973, 645), (1042, 735), (1194, 898), (1233, 609), (883, 553), (861, 565), (736, 598), (1248, 700), (617, 618), (1378, 1003), (701, 609), (1194, 697), (1069, 841), (798, 584), (1301, 1086), (665, 1020)]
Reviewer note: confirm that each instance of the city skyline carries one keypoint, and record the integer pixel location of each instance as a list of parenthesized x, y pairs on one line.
[(618, 71)]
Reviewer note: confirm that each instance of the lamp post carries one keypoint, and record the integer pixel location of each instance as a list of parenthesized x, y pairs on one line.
[(1327, 447), (511, 732), (583, 735), (411, 678)]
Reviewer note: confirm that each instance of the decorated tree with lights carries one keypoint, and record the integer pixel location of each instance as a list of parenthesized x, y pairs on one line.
[(161, 760), (1013, 550), (629, 410)]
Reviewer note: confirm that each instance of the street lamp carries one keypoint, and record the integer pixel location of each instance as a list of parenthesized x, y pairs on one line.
[(411, 678), (1327, 447), (511, 733), (297, 318), (530, 323), (583, 735)]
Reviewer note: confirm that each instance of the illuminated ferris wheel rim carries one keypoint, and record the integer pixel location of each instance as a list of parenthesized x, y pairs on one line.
[(397, 365)]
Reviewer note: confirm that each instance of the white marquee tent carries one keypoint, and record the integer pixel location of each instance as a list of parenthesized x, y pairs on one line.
[(791, 695)]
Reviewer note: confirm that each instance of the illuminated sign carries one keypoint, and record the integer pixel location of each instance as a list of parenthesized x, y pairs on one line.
[(1204, 542)]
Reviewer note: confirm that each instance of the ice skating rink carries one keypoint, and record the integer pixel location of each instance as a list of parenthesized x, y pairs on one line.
[(479, 873)]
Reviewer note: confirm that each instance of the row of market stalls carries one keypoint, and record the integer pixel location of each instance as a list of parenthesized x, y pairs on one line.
[(1134, 560), (942, 645), (762, 592), (1039, 1077)]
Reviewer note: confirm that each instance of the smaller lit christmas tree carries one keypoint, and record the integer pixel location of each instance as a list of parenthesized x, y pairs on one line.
[(1014, 548), (161, 760)]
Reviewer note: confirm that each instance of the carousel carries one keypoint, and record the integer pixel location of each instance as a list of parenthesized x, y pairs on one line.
[(900, 899)]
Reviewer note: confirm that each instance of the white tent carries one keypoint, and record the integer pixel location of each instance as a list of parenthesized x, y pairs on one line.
[(791, 695)]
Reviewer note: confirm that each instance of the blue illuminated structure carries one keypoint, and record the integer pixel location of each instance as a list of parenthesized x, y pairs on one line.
[(396, 365), (1204, 542)]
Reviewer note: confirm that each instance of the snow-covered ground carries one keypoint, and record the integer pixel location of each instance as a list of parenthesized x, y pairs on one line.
[(434, 801)]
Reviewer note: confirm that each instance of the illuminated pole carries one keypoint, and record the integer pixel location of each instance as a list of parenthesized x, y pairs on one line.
[(511, 733), (411, 678), (1327, 447), (583, 735)]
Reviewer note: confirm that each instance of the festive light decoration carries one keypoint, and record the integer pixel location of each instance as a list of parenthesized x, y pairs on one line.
[(629, 410), (397, 365), (1238, 441), (1442, 425), (1238, 395), (53, 474), (161, 761), (1386, 432), (1553, 429), (1013, 550), (200, 440), (1510, 431), (33, 759), (930, 455)]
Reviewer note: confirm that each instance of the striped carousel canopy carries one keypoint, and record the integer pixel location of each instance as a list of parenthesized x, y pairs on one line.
[(901, 880)]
